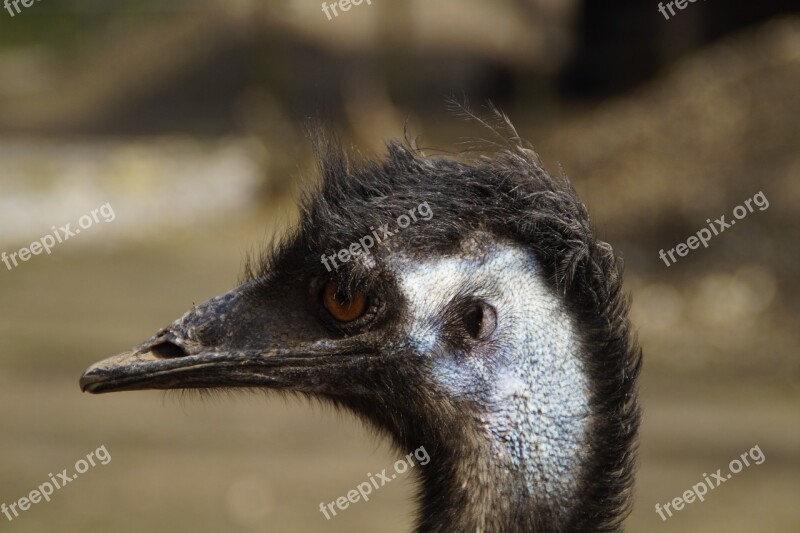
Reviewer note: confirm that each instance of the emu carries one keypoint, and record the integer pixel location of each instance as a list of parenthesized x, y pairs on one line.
[(495, 335)]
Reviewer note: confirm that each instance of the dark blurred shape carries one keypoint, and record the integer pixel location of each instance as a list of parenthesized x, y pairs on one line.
[(217, 69), (620, 44)]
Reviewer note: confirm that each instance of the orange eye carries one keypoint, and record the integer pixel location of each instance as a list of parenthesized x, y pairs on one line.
[(343, 310)]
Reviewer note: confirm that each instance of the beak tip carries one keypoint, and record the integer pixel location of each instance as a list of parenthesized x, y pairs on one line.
[(94, 376), (86, 381)]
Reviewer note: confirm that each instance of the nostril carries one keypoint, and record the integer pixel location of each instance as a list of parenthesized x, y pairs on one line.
[(168, 350)]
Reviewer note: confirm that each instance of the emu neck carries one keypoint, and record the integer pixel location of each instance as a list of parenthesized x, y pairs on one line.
[(466, 487)]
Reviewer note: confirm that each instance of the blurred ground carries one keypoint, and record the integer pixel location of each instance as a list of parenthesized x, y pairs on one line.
[(719, 328)]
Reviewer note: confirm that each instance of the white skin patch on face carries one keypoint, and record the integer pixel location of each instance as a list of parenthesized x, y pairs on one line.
[(529, 375)]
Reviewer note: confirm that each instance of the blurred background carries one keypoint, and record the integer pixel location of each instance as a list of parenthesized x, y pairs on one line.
[(187, 118)]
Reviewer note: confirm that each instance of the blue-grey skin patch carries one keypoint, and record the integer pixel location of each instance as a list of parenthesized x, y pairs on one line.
[(529, 374)]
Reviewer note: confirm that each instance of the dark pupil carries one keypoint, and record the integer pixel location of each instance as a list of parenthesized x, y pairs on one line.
[(342, 299), (472, 321)]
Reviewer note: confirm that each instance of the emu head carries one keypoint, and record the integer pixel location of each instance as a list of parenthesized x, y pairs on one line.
[(466, 307)]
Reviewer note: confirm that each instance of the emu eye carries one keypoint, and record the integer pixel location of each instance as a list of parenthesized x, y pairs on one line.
[(341, 308), (480, 320)]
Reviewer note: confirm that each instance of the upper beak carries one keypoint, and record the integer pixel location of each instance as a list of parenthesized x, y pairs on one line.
[(155, 368), (226, 342)]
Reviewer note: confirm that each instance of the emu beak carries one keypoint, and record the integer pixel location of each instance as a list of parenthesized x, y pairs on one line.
[(233, 340)]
